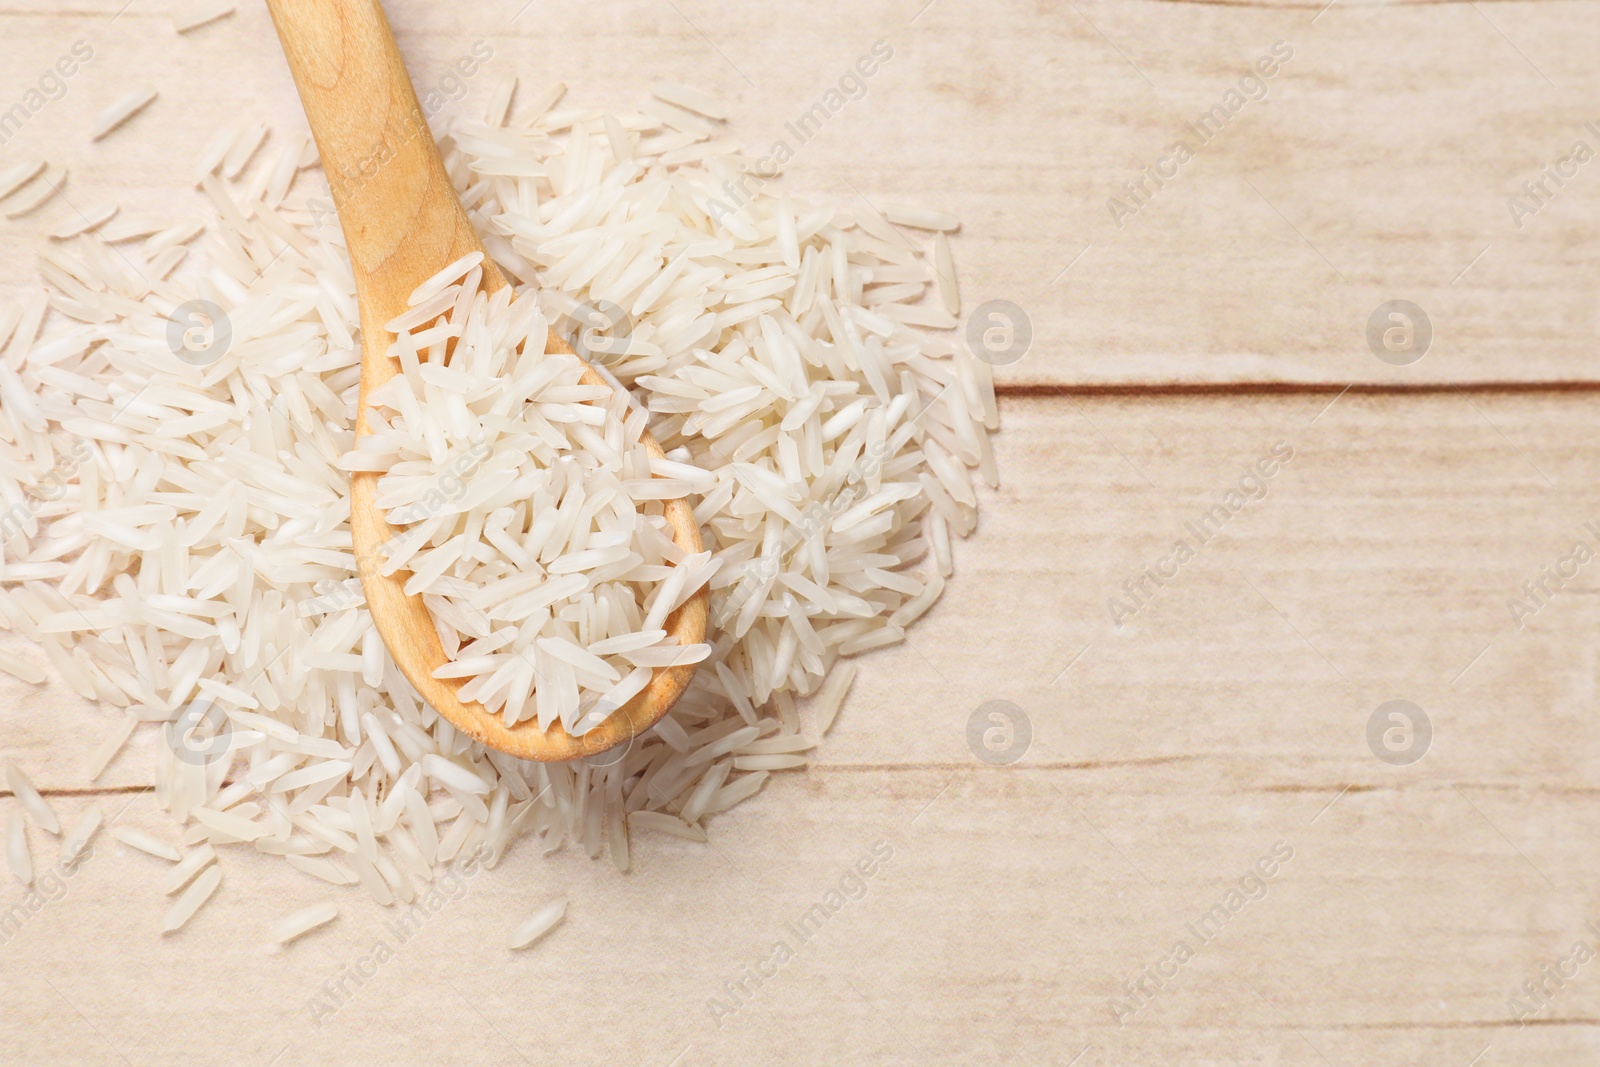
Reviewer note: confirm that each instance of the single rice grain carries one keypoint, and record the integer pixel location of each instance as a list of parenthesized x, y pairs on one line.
[(147, 843), (299, 923), (77, 838), (185, 906), (113, 743), (191, 865), (18, 857), (123, 109), (43, 188), (43, 816), (538, 924)]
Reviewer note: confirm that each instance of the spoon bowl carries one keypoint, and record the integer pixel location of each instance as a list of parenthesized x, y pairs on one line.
[(402, 223)]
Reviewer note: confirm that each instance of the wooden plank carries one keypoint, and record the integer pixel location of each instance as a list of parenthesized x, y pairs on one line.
[(1015, 906), (1020, 901), (1228, 713), (1376, 168), (1379, 565)]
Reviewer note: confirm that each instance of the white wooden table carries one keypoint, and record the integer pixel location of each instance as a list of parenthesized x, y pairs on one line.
[(1228, 313)]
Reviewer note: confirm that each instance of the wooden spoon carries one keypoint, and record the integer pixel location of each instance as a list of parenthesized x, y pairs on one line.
[(402, 224)]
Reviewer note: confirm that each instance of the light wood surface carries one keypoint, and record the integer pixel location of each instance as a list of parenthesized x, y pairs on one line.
[(1229, 714), (1389, 144)]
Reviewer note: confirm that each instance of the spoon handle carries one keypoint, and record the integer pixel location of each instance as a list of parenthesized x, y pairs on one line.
[(399, 211), (402, 222)]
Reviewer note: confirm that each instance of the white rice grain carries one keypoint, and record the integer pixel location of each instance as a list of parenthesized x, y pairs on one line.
[(247, 140), (20, 173), (18, 667), (921, 218), (147, 843), (831, 697), (191, 865), (944, 273), (693, 99), (77, 838), (185, 906), (200, 562), (445, 277), (109, 748), (299, 923), (538, 924), (18, 857), (324, 868), (768, 763), (77, 223), (737, 792), (43, 188), (39, 811), (453, 775), (661, 822), (123, 109)]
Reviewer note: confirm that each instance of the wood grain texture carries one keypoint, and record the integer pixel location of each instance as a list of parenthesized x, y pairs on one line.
[(1378, 167), (1391, 544), (1168, 755), (1016, 904), (1165, 760)]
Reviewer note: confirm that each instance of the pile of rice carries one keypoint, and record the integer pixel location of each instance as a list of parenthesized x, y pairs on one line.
[(174, 497)]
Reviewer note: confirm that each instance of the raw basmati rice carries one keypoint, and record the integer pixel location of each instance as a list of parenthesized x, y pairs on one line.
[(198, 567), (191, 865), (18, 667), (123, 109), (109, 748), (39, 811), (77, 838), (127, 227), (145, 843), (775, 762), (30, 197), (667, 824), (474, 453), (921, 218), (20, 173), (185, 906), (299, 923), (693, 99), (77, 223), (18, 858), (944, 273), (240, 151), (538, 924)]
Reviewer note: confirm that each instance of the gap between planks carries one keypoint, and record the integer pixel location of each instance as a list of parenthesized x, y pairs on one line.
[(1024, 390), (1313, 5), (1280, 5), (1337, 786)]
